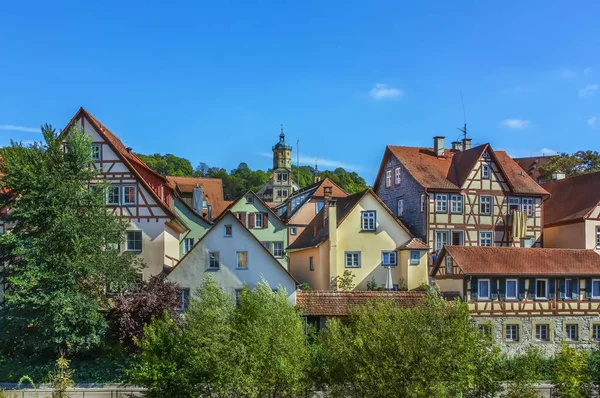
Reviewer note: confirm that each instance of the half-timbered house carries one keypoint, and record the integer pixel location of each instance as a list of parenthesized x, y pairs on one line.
[(461, 196), (136, 193), (526, 295)]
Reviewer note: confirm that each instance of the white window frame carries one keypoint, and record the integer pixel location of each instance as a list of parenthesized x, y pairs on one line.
[(368, 220), (516, 296), (597, 296), (575, 327), (388, 178), (212, 257), (188, 243), (568, 292), (184, 299), (127, 240), (400, 203), (441, 203), (486, 171), (278, 251), (237, 260), (413, 260), (93, 151), (393, 258), (354, 257), (456, 204), (397, 175), (437, 244), (462, 237), (423, 196), (597, 237), (230, 234), (124, 188), (113, 195), (489, 287), (293, 230), (449, 264), (257, 217), (538, 333), (484, 239), (482, 204), (546, 293), (528, 206), (513, 201), (513, 327)]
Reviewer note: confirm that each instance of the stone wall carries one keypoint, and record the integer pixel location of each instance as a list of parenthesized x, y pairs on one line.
[(411, 191), (527, 332)]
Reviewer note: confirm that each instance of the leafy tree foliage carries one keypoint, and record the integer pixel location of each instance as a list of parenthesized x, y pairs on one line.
[(168, 165), (526, 371), (433, 351), (571, 376), (580, 162), (140, 304), (57, 268)]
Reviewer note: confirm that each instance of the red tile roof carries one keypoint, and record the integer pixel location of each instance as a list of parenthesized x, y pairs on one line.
[(571, 199), (338, 303), (449, 172), (517, 261), (532, 164), (212, 187), (414, 244)]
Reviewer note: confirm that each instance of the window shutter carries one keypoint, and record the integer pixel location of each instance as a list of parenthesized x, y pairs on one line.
[(561, 289), (552, 289), (265, 220), (243, 218), (251, 221), (531, 288), (521, 289), (474, 287), (575, 289), (588, 289), (502, 288)]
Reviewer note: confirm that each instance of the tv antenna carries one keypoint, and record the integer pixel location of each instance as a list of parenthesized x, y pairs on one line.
[(464, 129)]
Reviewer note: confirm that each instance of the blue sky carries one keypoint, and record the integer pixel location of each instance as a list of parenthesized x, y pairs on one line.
[(212, 82)]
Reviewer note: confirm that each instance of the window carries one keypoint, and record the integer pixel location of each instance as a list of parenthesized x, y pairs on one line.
[(184, 299), (352, 259), (512, 289), (228, 231), (485, 171), (278, 249), (311, 263), (449, 265), (528, 206), (133, 241), (213, 260), (596, 288), (422, 203), (249, 199), (571, 289), (388, 178), (485, 205), (597, 237), (542, 332), (242, 260), (129, 194), (285, 177), (279, 193), (400, 207), (415, 257), (368, 220), (441, 239), (397, 173), (112, 195), (512, 332), (485, 329), (458, 238), (528, 241), (96, 151), (513, 204), (279, 178), (389, 258), (484, 289), (596, 332), (188, 243), (485, 238), (441, 203), (293, 230), (284, 192), (319, 205), (456, 204), (572, 332), (541, 288), (258, 220)]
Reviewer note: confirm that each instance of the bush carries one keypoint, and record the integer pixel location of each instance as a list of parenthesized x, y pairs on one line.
[(571, 375)]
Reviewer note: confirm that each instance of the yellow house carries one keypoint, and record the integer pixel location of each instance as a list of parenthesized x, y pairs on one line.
[(357, 233)]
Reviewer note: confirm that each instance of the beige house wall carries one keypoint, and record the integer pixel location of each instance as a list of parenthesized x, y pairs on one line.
[(303, 217), (570, 236)]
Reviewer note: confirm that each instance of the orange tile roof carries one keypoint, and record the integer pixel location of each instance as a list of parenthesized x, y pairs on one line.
[(339, 303), (212, 187), (531, 165), (518, 261), (414, 244), (571, 199)]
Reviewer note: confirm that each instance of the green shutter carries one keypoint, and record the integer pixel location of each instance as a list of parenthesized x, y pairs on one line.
[(474, 287), (561, 289), (502, 288), (552, 289), (521, 289), (588, 289), (575, 289)]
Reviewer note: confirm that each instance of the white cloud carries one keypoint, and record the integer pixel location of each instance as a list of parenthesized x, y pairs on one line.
[(546, 152), (589, 90), (327, 163), (516, 124), (12, 127), (383, 91), (587, 70), (592, 121), (568, 74), (524, 153)]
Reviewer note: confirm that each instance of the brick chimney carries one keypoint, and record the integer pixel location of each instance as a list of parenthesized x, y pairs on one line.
[(466, 144), (327, 191), (438, 146)]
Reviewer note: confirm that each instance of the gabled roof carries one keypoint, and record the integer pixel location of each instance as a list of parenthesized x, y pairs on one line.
[(518, 261), (256, 197), (449, 172), (216, 225), (339, 303), (572, 199), (531, 165), (414, 244), (150, 179), (212, 187), (317, 230), (315, 190)]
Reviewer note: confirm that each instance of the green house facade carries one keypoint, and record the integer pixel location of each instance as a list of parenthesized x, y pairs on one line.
[(197, 225)]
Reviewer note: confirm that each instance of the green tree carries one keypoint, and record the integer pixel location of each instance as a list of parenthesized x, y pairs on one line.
[(168, 164), (581, 162), (431, 350), (571, 376), (344, 281), (525, 372), (57, 268)]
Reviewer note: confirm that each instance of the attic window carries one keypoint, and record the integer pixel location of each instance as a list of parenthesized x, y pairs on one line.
[(485, 171), (486, 154), (249, 199), (96, 152)]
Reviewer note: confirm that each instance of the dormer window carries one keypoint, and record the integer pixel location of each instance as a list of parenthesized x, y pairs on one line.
[(96, 152)]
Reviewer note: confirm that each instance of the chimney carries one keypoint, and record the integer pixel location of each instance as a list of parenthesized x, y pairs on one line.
[(327, 193), (209, 212), (558, 175), (198, 199), (438, 146), (332, 222), (466, 144), (456, 146)]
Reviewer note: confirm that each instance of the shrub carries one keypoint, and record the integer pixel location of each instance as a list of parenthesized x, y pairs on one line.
[(571, 376)]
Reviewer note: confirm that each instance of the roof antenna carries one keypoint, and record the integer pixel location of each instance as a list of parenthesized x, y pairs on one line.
[(464, 129)]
